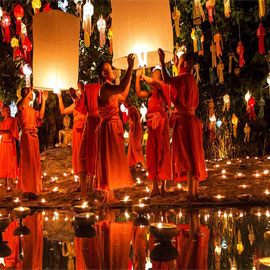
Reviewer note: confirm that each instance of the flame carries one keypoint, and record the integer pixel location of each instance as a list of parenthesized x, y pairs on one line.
[(17, 200), (43, 200), (147, 189), (267, 192), (142, 59), (126, 198), (21, 208), (138, 180), (84, 205), (141, 205), (159, 225), (127, 215), (87, 216), (179, 186)]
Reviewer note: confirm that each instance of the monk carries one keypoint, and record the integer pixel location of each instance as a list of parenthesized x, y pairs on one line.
[(8, 155), (135, 154), (158, 142), (187, 145), (87, 153), (112, 170), (30, 167), (78, 123)]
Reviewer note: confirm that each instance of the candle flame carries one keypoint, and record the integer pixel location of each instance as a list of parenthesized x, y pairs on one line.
[(84, 205), (223, 171), (267, 192), (229, 162), (126, 215), (126, 198), (179, 186), (147, 189), (142, 59), (87, 216), (266, 172), (138, 180), (66, 218), (159, 225), (21, 208), (43, 200), (16, 200), (141, 205), (55, 189)]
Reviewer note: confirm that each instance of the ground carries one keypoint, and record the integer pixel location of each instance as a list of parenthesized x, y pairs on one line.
[(60, 185)]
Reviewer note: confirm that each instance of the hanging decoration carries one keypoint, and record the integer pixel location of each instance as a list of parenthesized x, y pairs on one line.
[(5, 23), (210, 5), (23, 33), (211, 107), (231, 58), (196, 73), (101, 26), (214, 54), (247, 130), (250, 108), (36, 5), (88, 11), (212, 126), (227, 8), (261, 8), (219, 123), (219, 43), (268, 81), (27, 48), (198, 14), (234, 122), (1, 13), (195, 42), (176, 17), (18, 14), (124, 111), (201, 52), (27, 71), (237, 71), (247, 96), (261, 104), (260, 35), (240, 51), (47, 7), (143, 112), (226, 104), (110, 36), (220, 68), (198, 35), (18, 54), (14, 44), (63, 5)]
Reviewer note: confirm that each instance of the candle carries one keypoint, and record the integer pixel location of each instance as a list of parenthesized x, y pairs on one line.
[(126, 200), (42, 202), (17, 202), (140, 208), (85, 219), (145, 200), (163, 231), (21, 212), (267, 192), (223, 171), (265, 172), (239, 175), (219, 197), (244, 186), (81, 208)]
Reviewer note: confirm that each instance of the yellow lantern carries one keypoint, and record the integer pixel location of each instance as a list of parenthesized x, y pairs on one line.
[(234, 122), (56, 50), (141, 27), (36, 5), (14, 42)]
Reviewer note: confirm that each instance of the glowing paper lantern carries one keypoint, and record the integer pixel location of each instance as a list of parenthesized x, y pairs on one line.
[(5, 24), (88, 11), (1, 13), (56, 50), (27, 48), (247, 96), (18, 14), (219, 123), (27, 71), (36, 5), (101, 26), (141, 27)]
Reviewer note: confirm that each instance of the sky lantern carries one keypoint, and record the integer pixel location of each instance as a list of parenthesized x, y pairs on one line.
[(18, 14), (88, 11), (56, 50), (36, 5), (101, 26), (141, 27), (6, 24)]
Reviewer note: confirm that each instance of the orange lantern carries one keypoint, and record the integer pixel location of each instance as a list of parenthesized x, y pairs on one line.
[(5, 24), (18, 13), (27, 48), (234, 122), (141, 27)]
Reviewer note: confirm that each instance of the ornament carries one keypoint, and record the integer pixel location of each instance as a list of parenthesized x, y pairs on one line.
[(27, 48), (110, 36), (231, 58), (226, 100), (261, 104), (47, 7), (247, 130), (227, 8), (14, 44), (210, 5), (27, 71), (198, 35), (261, 8), (220, 68), (18, 55), (196, 73), (63, 5), (1, 13), (5, 22), (36, 5), (201, 52), (88, 11), (214, 54), (250, 108), (124, 111), (268, 80), (260, 35), (247, 96), (195, 43), (176, 17), (219, 123), (143, 112), (101, 26), (18, 14), (211, 107), (198, 14), (240, 51), (219, 43), (234, 122)]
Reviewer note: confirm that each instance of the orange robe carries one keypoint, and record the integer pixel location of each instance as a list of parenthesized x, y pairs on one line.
[(112, 170), (79, 254), (33, 244), (87, 155), (135, 154), (187, 141), (30, 166), (8, 154), (77, 133), (158, 142), (192, 254)]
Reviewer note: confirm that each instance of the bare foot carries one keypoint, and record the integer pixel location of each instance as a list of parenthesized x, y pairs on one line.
[(112, 201), (155, 192)]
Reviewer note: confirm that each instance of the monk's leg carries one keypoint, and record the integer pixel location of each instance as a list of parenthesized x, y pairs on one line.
[(163, 191), (191, 186), (91, 184), (110, 198), (155, 190), (83, 176)]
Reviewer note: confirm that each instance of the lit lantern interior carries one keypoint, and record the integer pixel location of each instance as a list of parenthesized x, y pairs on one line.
[(56, 50), (141, 27)]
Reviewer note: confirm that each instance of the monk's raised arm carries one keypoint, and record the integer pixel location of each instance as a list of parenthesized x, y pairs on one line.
[(167, 78), (62, 108), (138, 90)]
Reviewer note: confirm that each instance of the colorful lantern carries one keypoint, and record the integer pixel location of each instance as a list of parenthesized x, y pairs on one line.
[(240, 51), (261, 8), (101, 26), (1, 13), (18, 14), (198, 13), (5, 24), (247, 131), (219, 123), (234, 122), (23, 33), (124, 111), (226, 100), (27, 71), (260, 35), (247, 96), (227, 8), (141, 28), (88, 11), (14, 44), (27, 48), (250, 108), (56, 59), (18, 54), (36, 5), (210, 5), (195, 42), (176, 17), (47, 7), (261, 104)]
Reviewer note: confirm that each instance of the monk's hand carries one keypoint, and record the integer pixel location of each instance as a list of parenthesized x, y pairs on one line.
[(161, 55), (139, 73), (59, 95), (130, 60), (45, 95), (175, 60)]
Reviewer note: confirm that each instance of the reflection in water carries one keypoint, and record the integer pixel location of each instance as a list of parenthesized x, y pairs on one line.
[(203, 239)]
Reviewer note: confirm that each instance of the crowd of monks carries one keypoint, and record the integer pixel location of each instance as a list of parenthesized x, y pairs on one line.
[(97, 137)]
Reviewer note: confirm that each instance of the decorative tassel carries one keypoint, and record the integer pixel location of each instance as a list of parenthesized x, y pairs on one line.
[(226, 104), (219, 43), (198, 14), (227, 8), (195, 43), (220, 68), (240, 51), (27, 48), (196, 73), (214, 54), (176, 17), (210, 5), (231, 58), (261, 8), (247, 131), (250, 108), (260, 35)]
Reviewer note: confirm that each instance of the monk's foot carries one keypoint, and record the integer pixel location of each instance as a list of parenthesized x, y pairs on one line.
[(155, 192), (112, 201), (30, 196), (192, 197)]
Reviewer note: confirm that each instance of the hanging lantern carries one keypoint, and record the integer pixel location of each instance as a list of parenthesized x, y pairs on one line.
[(36, 5), (124, 111), (47, 7), (23, 33), (226, 100), (27, 71), (14, 44), (27, 48), (55, 59), (110, 36), (227, 8), (141, 27), (260, 35), (261, 104), (250, 108), (247, 131), (234, 122), (143, 112), (219, 123), (1, 13), (210, 5), (247, 96), (63, 5), (176, 17), (240, 51), (101, 26), (5, 24), (18, 55), (88, 11), (18, 14)]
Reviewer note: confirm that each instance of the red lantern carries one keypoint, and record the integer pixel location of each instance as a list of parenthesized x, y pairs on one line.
[(250, 108), (5, 24), (46, 7), (260, 35), (240, 51), (18, 13), (18, 54), (27, 48)]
